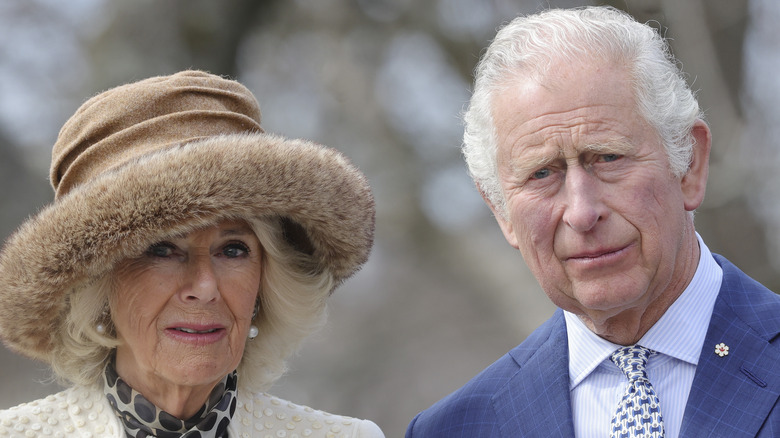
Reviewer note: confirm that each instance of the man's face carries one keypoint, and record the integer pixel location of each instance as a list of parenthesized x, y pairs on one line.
[(591, 201)]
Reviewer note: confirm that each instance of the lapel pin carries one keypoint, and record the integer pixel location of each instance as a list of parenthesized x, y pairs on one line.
[(722, 349)]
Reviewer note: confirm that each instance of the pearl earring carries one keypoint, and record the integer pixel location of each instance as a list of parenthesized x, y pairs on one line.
[(253, 330), (101, 326)]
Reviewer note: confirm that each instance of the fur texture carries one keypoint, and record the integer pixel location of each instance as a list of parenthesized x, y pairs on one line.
[(118, 214)]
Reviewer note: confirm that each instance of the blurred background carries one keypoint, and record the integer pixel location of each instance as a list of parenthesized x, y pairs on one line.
[(385, 81)]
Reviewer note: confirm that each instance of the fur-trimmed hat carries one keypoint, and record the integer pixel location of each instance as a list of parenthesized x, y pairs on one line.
[(165, 156)]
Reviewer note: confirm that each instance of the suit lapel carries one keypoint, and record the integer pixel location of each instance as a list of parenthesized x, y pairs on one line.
[(732, 395), (536, 400)]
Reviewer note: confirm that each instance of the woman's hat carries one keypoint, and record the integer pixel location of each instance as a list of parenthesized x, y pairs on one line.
[(161, 157)]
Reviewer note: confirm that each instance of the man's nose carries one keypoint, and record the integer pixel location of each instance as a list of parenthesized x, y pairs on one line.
[(584, 203)]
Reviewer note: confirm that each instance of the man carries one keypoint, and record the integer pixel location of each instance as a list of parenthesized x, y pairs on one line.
[(590, 149)]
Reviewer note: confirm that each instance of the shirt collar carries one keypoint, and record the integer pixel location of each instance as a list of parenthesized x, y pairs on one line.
[(679, 333)]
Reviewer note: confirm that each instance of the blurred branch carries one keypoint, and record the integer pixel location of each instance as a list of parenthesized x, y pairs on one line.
[(215, 47)]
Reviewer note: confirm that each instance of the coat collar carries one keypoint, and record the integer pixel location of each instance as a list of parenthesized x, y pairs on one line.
[(536, 400)]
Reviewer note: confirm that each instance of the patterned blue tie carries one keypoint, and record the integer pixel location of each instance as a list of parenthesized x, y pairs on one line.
[(639, 412)]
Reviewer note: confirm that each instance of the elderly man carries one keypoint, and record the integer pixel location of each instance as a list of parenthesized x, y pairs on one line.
[(587, 144)]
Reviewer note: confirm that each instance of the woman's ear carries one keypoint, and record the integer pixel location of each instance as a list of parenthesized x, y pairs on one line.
[(694, 182)]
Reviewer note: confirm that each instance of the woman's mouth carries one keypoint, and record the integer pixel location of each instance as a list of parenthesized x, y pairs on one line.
[(193, 331), (197, 335)]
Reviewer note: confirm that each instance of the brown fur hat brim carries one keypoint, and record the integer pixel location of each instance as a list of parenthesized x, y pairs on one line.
[(85, 233)]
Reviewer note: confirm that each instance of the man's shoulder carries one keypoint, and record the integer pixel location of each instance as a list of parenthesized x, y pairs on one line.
[(498, 374), (468, 411), (471, 410), (752, 302), (746, 319)]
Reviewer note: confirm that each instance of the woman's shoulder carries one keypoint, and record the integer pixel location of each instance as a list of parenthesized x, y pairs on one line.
[(264, 413), (75, 411)]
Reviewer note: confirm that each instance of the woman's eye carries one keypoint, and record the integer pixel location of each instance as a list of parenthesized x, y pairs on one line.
[(161, 249), (234, 250)]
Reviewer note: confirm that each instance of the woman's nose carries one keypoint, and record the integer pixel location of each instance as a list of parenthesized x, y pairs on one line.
[(201, 279)]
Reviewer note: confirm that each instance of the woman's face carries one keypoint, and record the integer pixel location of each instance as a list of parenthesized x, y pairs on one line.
[(182, 310)]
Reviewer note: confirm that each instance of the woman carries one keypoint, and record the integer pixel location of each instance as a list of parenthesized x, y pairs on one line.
[(185, 257)]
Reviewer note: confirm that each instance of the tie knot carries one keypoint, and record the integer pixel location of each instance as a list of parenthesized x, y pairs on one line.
[(632, 360)]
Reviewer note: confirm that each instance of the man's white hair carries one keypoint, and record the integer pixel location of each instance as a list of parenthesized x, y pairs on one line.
[(527, 46)]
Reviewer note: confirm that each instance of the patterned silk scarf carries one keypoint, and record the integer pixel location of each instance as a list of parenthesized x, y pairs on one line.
[(142, 419)]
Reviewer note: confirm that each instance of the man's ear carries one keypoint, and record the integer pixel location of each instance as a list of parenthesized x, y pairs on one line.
[(694, 182), (502, 218)]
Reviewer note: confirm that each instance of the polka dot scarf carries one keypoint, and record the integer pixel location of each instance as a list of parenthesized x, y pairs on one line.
[(142, 419)]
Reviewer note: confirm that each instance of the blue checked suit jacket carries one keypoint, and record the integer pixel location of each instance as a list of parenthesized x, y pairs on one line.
[(526, 392)]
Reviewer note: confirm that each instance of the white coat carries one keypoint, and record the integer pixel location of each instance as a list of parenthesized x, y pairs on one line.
[(85, 413)]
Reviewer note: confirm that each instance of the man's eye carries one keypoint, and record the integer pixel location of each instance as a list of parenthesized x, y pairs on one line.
[(610, 157), (540, 174), (234, 250), (160, 249)]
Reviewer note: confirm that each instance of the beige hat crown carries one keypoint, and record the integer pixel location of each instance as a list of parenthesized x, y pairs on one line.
[(134, 119)]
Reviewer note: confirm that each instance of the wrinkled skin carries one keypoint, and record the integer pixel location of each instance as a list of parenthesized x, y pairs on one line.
[(591, 202), (182, 312)]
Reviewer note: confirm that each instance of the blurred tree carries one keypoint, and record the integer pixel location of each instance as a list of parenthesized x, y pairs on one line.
[(384, 81)]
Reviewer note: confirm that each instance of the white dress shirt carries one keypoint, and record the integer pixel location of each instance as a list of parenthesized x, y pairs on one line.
[(597, 384)]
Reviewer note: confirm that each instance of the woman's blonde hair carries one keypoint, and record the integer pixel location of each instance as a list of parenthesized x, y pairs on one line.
[(292, 305)]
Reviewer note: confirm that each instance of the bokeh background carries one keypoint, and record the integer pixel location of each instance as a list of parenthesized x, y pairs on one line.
[(385, 81)]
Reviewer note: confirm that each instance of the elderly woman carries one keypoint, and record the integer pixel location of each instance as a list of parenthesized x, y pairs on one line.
[(185, 257)]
